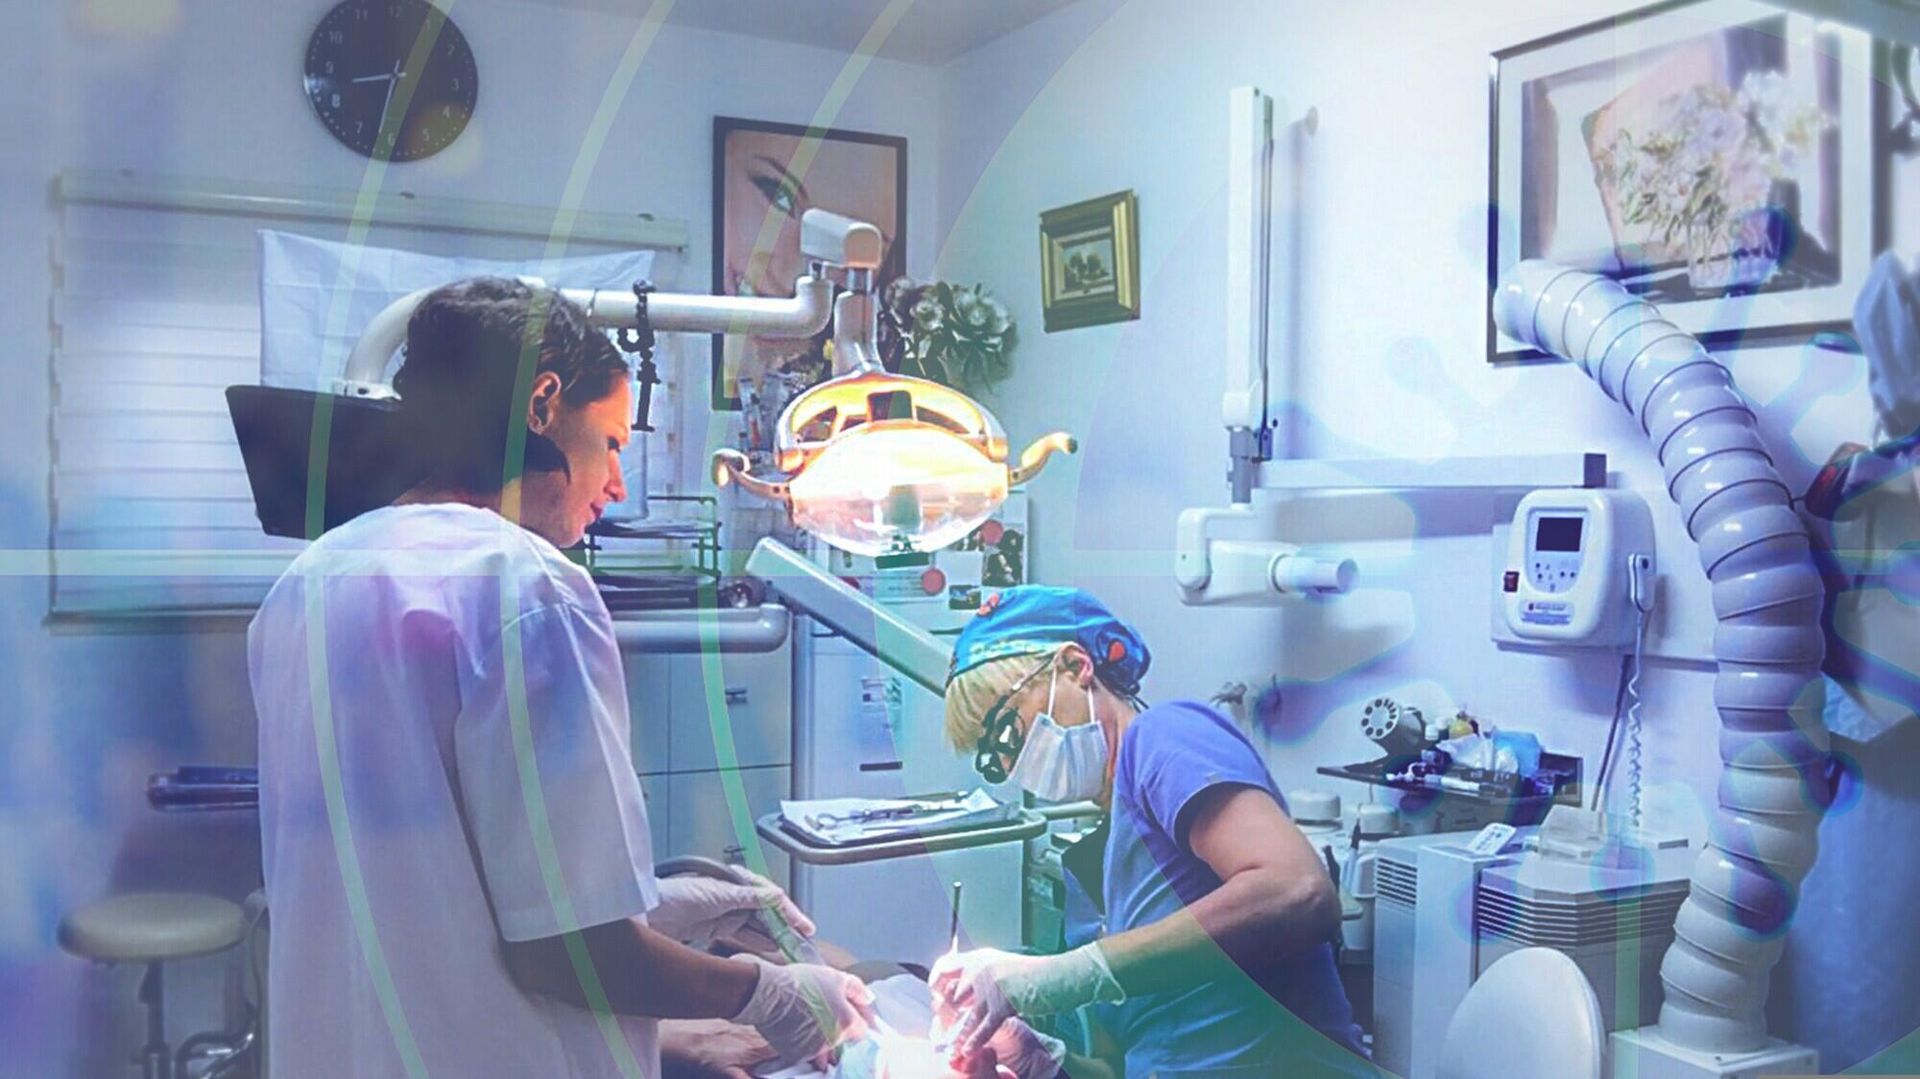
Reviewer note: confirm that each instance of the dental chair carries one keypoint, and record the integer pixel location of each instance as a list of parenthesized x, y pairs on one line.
[(1531, 1014)]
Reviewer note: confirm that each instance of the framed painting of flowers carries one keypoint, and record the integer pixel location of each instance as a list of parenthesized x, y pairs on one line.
[(1716, 157)]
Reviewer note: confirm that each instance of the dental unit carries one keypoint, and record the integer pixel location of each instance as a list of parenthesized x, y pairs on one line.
[(874, 463)]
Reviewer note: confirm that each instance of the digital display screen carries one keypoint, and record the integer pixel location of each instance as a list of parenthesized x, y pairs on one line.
[(1558, 534)]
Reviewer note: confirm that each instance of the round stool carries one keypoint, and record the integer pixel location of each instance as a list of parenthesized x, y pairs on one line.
[(151, 928)]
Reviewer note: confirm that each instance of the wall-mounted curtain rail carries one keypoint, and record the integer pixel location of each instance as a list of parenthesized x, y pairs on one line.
[(389, 208)]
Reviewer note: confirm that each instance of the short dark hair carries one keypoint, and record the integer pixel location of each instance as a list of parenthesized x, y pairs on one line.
[(460, 385)]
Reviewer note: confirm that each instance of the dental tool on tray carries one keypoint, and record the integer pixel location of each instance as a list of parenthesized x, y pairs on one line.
[(880, 813)]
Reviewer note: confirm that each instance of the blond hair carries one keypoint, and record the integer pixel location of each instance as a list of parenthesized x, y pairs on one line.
[(974, 691)]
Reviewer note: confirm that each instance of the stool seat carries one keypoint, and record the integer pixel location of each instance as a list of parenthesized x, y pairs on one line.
[(149, 926)]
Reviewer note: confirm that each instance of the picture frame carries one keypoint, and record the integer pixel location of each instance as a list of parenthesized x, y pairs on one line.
[(1587, 127), (1090, 262), (765, 176)]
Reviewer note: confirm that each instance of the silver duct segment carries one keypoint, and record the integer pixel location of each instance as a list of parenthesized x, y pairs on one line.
[(1769, 644)]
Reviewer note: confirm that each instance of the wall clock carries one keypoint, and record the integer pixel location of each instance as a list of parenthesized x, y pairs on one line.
[(393, 79)]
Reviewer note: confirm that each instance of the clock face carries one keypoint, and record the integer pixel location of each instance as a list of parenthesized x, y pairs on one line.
[(394, 79)]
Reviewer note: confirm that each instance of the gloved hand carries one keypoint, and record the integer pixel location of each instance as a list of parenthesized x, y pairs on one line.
[(982, 989), (695, 910), (1021, 1050), (803, 1010)]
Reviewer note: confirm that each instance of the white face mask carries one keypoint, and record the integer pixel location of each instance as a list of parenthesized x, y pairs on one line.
[(1062, 764)]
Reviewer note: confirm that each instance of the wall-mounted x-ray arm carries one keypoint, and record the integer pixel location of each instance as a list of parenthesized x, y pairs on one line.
[(1230, 555)]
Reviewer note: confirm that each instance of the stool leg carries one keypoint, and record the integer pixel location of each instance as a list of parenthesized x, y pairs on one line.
[(155, 1061)]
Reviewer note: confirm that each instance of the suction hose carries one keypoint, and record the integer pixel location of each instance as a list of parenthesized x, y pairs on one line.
[(1769, 644)]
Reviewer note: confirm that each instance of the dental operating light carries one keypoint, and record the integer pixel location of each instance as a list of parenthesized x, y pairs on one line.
[(879, 464), (874, 463)]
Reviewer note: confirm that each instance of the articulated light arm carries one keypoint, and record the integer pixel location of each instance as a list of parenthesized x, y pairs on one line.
[(828, 240), (874, 463), (871, 626)]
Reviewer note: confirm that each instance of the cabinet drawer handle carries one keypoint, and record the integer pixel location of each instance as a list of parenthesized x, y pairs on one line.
[(735, 854), (736, 694)]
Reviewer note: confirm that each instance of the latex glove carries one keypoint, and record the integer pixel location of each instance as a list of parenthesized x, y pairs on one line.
[(710, 1049), (982, 989), (696, 910), (804, 1010), (1020, 1050)]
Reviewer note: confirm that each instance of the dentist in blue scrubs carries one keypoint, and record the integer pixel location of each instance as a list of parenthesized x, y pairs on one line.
[(1200, 919)]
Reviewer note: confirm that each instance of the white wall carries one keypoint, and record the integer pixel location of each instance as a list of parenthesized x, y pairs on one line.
[(211, 88), (1390, 282)]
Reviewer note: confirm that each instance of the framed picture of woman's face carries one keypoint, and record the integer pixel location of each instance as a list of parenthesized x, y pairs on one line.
[(765, 176)]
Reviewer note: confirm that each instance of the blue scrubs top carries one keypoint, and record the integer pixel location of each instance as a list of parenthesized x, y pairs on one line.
[(1290, 1019)]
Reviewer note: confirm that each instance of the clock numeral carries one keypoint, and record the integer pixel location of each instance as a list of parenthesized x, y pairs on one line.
[(456, 84), (453, 47), (329, 67), (336, 101), (359, 127), (337, 37)]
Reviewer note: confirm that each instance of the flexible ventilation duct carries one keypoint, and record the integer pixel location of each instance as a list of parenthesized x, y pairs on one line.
[(1766, 595)]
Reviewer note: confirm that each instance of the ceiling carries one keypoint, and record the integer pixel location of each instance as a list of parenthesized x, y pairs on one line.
[(931, 32)]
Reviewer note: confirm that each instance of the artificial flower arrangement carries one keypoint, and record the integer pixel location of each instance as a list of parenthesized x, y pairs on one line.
[(957, 335), (1703, 178)]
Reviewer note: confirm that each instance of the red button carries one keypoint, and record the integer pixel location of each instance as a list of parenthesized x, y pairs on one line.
[(991, 532), (933, 582)]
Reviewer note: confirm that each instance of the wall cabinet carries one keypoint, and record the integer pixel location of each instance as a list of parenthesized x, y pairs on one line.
[(685, 710)]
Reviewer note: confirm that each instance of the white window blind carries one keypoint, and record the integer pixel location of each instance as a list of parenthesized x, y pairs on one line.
[(156, 311)]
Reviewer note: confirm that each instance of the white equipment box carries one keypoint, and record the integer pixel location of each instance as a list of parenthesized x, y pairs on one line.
[(1576, 559)]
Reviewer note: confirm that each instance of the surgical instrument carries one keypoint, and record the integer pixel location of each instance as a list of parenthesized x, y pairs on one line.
[(953, 933)]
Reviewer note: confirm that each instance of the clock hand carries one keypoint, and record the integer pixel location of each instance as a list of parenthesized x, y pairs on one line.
[(372, 78), (385, 120)]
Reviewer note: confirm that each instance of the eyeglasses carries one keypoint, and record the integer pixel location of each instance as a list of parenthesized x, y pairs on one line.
[(1000, 735)]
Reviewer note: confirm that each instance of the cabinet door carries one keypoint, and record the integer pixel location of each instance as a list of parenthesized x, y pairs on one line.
[(653, 789), (748, 697), (649, 710), (702, 823)]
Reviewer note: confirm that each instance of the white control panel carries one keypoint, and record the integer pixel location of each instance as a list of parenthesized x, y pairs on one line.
[(1576, 559)]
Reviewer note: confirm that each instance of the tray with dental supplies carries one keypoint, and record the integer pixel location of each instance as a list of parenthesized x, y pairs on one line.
[(1555, 781), (837, 831)]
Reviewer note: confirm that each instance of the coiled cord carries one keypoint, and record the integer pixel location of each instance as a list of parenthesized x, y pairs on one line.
[(1634, 748)]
